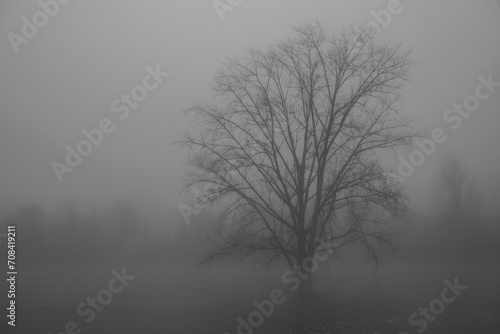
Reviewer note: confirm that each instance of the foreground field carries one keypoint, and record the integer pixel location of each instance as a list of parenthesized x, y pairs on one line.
[(186, 300)]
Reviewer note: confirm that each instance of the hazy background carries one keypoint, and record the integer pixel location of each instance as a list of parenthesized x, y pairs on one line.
[(120, 206), (65, 78)]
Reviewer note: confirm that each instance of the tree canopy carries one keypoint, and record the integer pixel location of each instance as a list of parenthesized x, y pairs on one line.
[(289, 149)]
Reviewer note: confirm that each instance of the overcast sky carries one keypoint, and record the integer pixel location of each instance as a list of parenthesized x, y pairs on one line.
[(65, 78)]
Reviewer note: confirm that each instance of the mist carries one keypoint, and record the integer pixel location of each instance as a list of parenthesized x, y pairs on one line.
[(94, 99)]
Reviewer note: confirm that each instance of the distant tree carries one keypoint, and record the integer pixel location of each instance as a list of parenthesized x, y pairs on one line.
[(290, 150), (459, 205), (458, 193)]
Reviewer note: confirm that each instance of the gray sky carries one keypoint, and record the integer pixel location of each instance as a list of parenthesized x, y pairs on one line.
[(66, 77)]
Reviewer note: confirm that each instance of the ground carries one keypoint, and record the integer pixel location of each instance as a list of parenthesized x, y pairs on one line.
[(173, 299)]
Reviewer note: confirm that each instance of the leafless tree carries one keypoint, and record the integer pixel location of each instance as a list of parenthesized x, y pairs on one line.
[(459, 203), (289, 146), (458, 192)]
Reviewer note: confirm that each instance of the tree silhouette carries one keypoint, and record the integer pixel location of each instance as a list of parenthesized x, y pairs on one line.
[(459, 205), (289, 148)]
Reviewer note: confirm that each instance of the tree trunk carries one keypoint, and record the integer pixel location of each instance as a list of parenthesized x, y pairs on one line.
[(303, 302)]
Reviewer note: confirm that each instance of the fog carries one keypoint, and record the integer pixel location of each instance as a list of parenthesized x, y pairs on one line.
[(131, 69)]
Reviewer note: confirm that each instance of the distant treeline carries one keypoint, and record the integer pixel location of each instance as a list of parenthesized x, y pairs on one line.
[(122, 231), (442, 236)]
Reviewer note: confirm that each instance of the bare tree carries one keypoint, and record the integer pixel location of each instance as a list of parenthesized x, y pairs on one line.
[(458, 193), (459, 203), (289, 148)]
